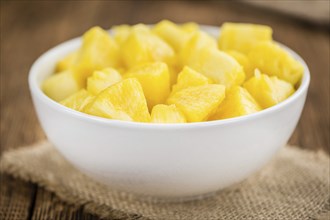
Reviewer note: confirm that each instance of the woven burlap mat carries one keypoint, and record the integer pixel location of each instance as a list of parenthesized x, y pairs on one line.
[(294, 185)]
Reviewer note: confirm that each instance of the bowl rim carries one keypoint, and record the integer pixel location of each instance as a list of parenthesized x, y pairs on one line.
[(36, 90)]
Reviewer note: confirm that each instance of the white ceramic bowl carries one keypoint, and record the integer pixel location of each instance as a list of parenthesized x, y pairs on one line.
[(164, 160)]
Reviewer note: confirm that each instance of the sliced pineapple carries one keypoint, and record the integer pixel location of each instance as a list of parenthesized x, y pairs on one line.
[(197, 41), (155, 81), (67, 62), (78, 100), (243, 37), (244, 61), (102, 79), (141, 28), (199, 102), (127, 75), (188, 78), (98, 51), (268, 91), (124, 101), (218, 66), (143, 47), (273, 60), (173, 34), (174, 72), (167, 114), (238, 102), (201, 54), (121, 32), (61, 85), (190, 27)]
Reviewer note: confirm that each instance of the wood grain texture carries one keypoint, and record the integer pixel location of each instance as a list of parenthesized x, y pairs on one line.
[(16, 198), (29, 28)]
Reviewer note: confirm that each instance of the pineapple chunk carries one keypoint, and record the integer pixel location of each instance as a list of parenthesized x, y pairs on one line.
[(102, 79), (201, 54), (196, 42), (174, 71), (67, 62), (143, 47), (199, 102), (244, 61), (155, 81), (188, 78), (243, 37), (238, 102), (190, 27), (98, 51), (78, 100), (61, 85), (173, 34), (121, 32), (166, 114), (273, 60), (268, 91), (218, 66), (123, 101)]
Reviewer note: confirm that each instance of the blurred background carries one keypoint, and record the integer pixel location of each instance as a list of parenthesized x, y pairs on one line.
[(29, 28)]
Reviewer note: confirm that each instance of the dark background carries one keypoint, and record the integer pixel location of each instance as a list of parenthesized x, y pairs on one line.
[(29, 28)]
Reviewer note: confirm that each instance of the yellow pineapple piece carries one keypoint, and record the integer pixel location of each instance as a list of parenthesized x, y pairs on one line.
[(155, 81), (197, 41), (78, 100), (121, 70), (67, 62), (244, 61), (102, 79), (173, 34), (123, 101), (243, 37), (121, 32), (218, 66), (190, 27), (268, 91), (238, 102), (273, 60), (61, 85), (174, 71), (201, 54), (143, 47), (188, 78), (199, 102), (98, 51), (166, 114), (141, 28)]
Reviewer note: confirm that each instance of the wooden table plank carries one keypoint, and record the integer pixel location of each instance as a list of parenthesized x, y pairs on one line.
[(30, 28), (16, 198)]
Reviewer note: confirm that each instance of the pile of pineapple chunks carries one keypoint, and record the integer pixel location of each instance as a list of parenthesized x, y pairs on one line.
[(173, 73)]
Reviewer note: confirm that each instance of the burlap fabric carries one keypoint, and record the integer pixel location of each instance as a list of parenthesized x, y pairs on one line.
[(294, 185)]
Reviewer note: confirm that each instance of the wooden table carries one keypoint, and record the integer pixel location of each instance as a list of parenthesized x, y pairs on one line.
[(30, 28)]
